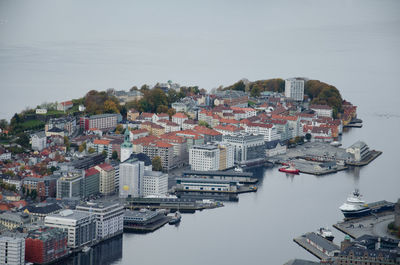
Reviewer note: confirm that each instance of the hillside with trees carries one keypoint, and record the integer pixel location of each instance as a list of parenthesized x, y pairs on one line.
[(255, 88)]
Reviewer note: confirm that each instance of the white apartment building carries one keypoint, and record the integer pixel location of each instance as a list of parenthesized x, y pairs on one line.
[(39, 141), (204, 157), (155, 183), (269, 131), (81, 226), (131, 174), (12, 250), (322, 110), (294, 89), (109, 217), (107, 178)]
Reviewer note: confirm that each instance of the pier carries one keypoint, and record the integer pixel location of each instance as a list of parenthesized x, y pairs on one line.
[(320, 247), (241, 177), (148, 227)]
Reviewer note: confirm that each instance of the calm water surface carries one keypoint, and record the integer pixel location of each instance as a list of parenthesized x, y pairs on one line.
[(57, 50)]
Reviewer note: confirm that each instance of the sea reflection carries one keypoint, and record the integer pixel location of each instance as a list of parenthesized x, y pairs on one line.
[(107, 252)]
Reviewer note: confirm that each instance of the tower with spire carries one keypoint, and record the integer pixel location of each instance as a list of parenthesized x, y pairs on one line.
[(127, 146)]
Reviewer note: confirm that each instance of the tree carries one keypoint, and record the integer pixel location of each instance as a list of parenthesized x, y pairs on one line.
[(104, 153), (23, 140), (171, 112), (3, 124), (33, 194), (144, 88), (114, 155), (308, 136), (66, 142), (119, 129), (91, 150), (156, 163), (204, 123), (110, 106), (82, 147), (133, 88)]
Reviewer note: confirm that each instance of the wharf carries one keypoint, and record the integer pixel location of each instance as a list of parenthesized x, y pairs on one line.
[(241, 177), (240, 189), (374, 225), (147, 228), (315, 247), (373, 154)]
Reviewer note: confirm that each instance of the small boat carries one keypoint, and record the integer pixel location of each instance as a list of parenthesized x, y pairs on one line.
[(85, 249), (238, 169), (289, 169), (175, 218), (336, 144), (325, 233)]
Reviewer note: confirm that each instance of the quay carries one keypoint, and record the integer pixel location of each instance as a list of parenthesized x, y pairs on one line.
[(186, 205), (144, 220), (320, 247), (373, 154), (146, 228), (374, 225), (241, 177)]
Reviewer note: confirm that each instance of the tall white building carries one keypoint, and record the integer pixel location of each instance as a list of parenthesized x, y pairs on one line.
[(155, 183), (204, 157), (109, 217), (131, 174), (12, 250), (81, 226), (268, 130), (294, 89)]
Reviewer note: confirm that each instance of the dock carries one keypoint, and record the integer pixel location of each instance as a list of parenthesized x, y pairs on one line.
[(320, 247), (241, 177), (148, 227), (373, 154), (374, 225)]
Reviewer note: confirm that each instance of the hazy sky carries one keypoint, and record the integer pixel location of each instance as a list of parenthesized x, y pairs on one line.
[(57, 50)]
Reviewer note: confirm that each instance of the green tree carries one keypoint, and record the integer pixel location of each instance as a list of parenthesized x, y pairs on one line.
[(133, 88), (204, 123), (82, 147), (110, 106), (66, 143), (308, 136), (23, 140), (91, 150), (144, 88), (119, 129), (156, 163), (3, 124), (33, 194), (114, 155)]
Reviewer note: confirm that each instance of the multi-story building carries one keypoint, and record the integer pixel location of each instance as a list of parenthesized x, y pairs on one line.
[(126, 146), (64, 106), (67, 124), (294, 89), (267, 130), (132, 115), (233, 98), (163, 150), (209, 135), (181, 154), (81, 226), (71, 184), (359, 150), (322, 110), (131, 174), (88, 161), (109, 217), (38, 141), (154, 183), (101, 121), (12, 250), (179, 118), (247, 146), (228, 129), (13, 220), (189, 125), (139, 133), (46, 245), (39, 211), (107, 178), (45, 187), (169, 126), (226, 156), (204, 157), (4, 154), (101, 145), (91, 182)]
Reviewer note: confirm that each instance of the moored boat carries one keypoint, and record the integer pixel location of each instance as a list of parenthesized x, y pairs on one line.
[(355, 206), (175, 218), (289, 169), (325, 233)]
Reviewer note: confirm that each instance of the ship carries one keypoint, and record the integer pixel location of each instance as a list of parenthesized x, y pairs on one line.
[(289, 169), (355, 206), (325, 233)]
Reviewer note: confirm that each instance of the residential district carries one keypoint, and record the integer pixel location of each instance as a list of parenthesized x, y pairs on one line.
[(84, 179)]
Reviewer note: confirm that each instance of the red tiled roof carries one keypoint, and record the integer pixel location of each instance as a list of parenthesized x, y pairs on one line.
[(228, 127), (91, 171), (139, 131), (147, 114), (146, 139), (106, 166), (101, 141), (179, 115), (65, 103), (206, 131), (222, 120), (162, 115), (282, 117), (320, 107), (163, 144)]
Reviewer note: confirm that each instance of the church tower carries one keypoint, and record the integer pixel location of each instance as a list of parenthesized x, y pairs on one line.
[(127, 146)]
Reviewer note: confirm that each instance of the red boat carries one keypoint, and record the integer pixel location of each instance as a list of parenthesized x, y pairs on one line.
[(289, 169)]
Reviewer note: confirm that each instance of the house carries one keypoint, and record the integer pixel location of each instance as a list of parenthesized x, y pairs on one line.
[(136, 134), (179, 118), (273, 148), (55, 131), (153, 128), (64, 106), (38, 141), (169, 126), (189, 124), (322, 110), (4, 154), (228, 129), (208, 134)]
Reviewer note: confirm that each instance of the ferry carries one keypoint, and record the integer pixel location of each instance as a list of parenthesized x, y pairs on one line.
[(289, 169), (325, 233), (355, 206)]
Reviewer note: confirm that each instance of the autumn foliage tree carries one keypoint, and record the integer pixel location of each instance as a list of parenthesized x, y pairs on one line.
[(322, 93)]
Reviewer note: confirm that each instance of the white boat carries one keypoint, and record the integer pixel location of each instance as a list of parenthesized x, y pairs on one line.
[(175, 218), (326, 233), (355, 206), (238, 169), (336, 144), (85, 249)]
